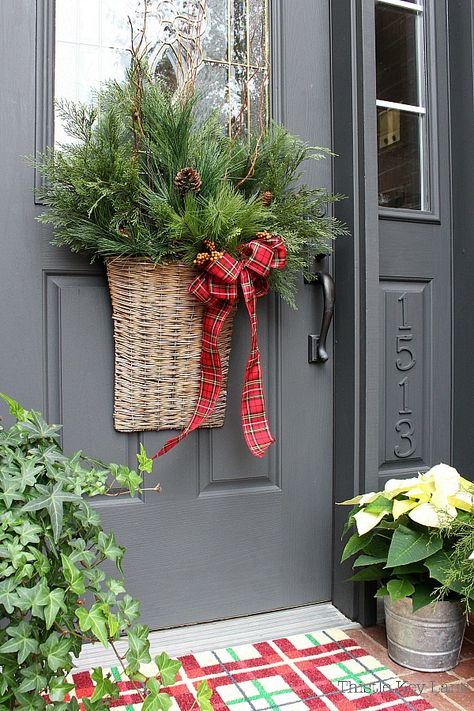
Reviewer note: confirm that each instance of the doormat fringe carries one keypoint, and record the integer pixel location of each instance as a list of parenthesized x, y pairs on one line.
[(324, 670)]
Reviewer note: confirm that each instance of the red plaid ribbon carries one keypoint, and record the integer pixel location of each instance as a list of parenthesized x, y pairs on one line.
[(217, 288)]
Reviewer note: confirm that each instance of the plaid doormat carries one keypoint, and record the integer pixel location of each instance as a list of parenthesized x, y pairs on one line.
[(319, 670)]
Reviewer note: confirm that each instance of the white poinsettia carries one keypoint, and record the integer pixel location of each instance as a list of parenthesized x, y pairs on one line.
[(431, 499)]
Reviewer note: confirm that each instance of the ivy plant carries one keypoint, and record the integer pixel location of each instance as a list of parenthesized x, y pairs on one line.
[(411, 536), (55, 595)]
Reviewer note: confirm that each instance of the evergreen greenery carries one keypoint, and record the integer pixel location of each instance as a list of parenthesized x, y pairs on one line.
[(54, 592), (112, 190)]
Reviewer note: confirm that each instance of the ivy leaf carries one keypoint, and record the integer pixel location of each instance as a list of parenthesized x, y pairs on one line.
[(8, 596), (94, 620), (73, 575), (10, 490), (168, 668), (145, 464), (107, 545), (39, 429), (156, 701), (30, 702), (204, 695), (129, 607), (104, 686), (138, 651), (16, 410), (22, 642), (409, 546), (29, 470), (52, 499), (28, 532), (382, 591), (398, 589), (34, 599), (55, 603), (115, 586), (58, 687), (57, 651), (33, 679)]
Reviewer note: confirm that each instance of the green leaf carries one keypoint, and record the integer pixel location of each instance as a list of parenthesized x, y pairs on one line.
[(381, 592), (104, 686), (398, 589), (156, 701), (129, 607), (168, 668), (55, 603), (22, 641), (33, 679), (409, 569), (115, 586), (57, 650), (28, 533), (95, 620), (368, 560), (16, 410), (422, 596), (355, 544), (138, 651), (58, 687), (73, 575), (350, 521), (204, 695), (10, 490), (409, 546), (34, 599), (52, 499), (372, 572), (107, 545), (380, 504), (8, 596), (145, 464), (38, 429)]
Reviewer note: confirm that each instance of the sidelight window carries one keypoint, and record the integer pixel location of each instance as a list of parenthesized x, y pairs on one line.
[(402, 120), (228, 41)]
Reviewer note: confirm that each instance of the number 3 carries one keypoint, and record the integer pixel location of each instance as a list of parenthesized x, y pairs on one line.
[(408, 436)]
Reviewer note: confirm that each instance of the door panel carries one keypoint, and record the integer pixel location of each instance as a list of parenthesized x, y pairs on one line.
[(229, 535), (415, 288)]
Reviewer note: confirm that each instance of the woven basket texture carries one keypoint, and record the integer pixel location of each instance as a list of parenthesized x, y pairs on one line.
[(157, 334)]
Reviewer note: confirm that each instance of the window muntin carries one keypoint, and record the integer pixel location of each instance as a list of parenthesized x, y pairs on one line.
[(93, 36), (403, 170)]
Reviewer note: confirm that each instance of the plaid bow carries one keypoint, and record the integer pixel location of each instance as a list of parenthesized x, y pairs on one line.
[(217, 288)]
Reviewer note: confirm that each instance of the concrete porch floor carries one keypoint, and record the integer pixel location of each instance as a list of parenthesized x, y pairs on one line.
[(446, 691)]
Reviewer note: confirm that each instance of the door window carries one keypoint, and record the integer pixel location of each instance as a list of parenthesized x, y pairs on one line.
[(403, 172), (227, 40)]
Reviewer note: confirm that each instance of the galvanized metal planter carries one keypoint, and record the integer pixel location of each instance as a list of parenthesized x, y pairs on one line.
[(427, 640)]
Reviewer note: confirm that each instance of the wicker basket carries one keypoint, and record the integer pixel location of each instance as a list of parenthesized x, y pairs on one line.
[(157, 334)]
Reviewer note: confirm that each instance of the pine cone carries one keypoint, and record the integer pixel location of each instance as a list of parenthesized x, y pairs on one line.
[(267, 198), (188, 180)]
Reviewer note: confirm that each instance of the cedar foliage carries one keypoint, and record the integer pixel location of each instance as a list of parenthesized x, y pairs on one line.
[(109, 195)]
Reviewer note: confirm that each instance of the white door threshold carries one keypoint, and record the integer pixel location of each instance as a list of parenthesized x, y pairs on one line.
[(225, 633)]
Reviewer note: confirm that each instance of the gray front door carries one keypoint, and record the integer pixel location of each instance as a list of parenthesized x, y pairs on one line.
[(229, 535)]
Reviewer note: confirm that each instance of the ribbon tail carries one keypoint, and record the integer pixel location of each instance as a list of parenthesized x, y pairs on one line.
[(255, 424), (210, 383)]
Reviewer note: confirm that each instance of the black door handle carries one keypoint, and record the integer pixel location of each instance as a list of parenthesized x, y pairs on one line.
[(317, 352)]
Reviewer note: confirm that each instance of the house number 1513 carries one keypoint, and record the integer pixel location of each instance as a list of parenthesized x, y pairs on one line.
[(405, 362)]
